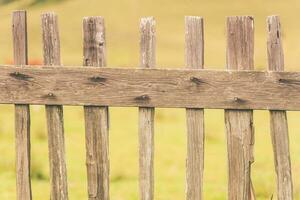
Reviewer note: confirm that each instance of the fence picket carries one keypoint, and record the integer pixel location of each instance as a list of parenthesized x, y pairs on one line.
[(278, 119), (54, 113), (239, 124), (238, 90), (146, 115), (96, 118), (194, 47), (22, 112)]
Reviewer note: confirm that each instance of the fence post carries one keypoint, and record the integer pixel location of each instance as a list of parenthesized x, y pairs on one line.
[(54, 113), (239, 124), (22, 112), (146, 115), (194, 56), (278, 119), (96, 118)]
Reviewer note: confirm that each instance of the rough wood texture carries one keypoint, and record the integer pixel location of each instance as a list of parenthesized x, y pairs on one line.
[(55, 123), (19, 31), (150, 87), (146, 115), (96, 118), (278, 119), (22, 112), (194, 55), (239, 124)]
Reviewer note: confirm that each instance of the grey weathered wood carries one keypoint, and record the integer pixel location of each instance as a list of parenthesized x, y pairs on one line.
[(150, 87), (96, 118), (194, 55), (146, 115), (278, 119), (22, 112), (19, 31), (239, 124), (54, 113)]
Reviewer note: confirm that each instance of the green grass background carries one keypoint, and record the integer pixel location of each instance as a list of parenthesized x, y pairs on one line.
[(122, 31)]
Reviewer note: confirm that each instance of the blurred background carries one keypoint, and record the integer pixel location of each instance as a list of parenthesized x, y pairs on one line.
[(122, 33)]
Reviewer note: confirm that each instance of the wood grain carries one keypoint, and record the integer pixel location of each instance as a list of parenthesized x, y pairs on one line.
[(194, 55), (22, 129), (22, 112), (54, 113), (96, 118), (146, 115), (239, 124), (150, 87), (278, 119)]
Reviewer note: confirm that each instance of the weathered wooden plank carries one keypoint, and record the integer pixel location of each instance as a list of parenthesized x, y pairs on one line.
[(239, 124), (22, 112), (96, 118), (146, 115), (54, 113), (19, 32), (194, 55), (150, 87), (278, 119)]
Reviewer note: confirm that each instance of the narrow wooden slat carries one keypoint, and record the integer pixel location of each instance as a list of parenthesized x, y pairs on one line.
[(278, 119), (54, 113), (194, 47), (96, 118), (146, 115), (239, 124), (150, 87), (22, 112)]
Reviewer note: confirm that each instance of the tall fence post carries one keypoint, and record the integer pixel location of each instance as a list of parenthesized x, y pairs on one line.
[(278, 119), (146, 115), (194, 56), (96, 118), (22, 112), (54, 113), (239, 124)]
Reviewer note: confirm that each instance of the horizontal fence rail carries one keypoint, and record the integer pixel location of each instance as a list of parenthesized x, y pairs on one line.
[(238, 89), (179, 88)]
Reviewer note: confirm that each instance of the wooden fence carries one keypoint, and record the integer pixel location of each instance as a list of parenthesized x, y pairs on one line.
[(238, 90)]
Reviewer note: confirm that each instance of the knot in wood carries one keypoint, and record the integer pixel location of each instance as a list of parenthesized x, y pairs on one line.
[(50, 94), (238, 100), (142, 98), (196, 80), (20, 76), (97, 79)]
